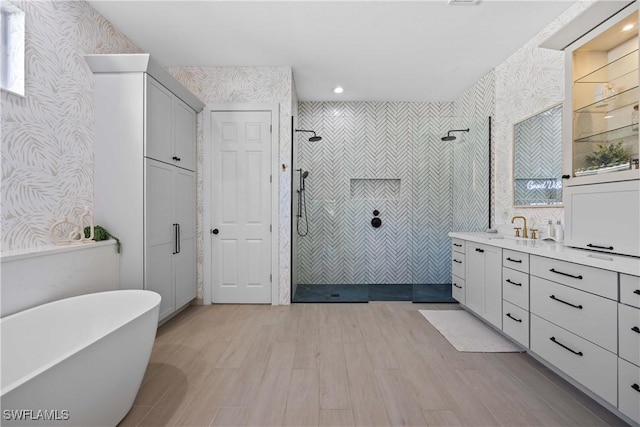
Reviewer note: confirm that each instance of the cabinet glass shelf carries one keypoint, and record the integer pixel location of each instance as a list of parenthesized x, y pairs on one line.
[(619, 100), (612, 70), (610, 135)]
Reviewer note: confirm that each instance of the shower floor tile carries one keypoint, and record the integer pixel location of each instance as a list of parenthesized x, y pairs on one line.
[(377, 292)]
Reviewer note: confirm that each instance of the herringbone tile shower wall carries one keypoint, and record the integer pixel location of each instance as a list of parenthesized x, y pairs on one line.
[(376, 156)]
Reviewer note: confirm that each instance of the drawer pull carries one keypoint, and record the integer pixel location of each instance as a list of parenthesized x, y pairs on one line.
[(457, 286), (455, 260), (513, 283), (637, 292), (513, 318), (609, 248), (553, 270), (479, 250), (579, 353), (553, 297), (636, 329), (457, 245), (519, 261), (636, 387)]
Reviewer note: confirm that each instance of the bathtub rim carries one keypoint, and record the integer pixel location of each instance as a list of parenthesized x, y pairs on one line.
[(75, 349)]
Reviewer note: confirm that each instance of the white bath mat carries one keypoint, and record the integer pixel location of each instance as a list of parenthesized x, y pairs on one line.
[(467, 333)]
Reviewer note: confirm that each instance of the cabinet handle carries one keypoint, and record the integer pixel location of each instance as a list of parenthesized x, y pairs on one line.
[(457, 286), (636, 387), (457, 245), (513, 318), (175, 236), (553, 297), (455, 260), (579, 353), (637, 292), (479, 250), (513, 283), (177, 159), (636, 329), (178, 240), (519, 261), (566, 176), (553, 270), (609, 248)]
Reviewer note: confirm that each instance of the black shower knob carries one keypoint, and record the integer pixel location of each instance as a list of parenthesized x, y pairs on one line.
[(376, 212)]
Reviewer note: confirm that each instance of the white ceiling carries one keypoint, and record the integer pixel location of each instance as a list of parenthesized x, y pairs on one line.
[(426, 51)]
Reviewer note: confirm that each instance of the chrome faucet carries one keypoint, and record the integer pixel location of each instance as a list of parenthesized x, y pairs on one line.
[(525, 234)]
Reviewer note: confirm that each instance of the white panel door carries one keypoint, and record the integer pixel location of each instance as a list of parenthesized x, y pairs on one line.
[(159, 132), (184, 261), (474, 283), (241, 206), (493, 284), (159, 233), (184, 128)]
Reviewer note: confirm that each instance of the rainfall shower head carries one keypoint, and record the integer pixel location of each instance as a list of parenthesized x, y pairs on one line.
[(314, 138), (450, 137)]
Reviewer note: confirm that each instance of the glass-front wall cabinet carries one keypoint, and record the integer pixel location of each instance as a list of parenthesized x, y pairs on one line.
[(604, 99)]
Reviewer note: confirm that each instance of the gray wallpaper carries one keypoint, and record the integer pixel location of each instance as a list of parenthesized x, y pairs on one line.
[(376, 156)]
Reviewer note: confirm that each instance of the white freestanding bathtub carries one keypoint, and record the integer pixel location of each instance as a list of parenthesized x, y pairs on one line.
[(78, 361)]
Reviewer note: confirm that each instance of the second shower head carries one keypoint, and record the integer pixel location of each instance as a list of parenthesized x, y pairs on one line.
[(450, 137), (314, 138)]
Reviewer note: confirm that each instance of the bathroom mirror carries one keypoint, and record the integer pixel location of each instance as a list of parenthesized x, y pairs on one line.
[(537, 159)]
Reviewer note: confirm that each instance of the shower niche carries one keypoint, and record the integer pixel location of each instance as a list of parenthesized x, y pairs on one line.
[(375, 189)]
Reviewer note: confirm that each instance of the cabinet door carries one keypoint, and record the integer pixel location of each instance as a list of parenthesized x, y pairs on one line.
[(493, 285), (159, 233), (184, 133), (185, 216), (604, 217), (159, 132), (474, 292)]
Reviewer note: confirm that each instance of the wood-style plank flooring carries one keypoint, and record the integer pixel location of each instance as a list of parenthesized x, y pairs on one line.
[(376, 364)]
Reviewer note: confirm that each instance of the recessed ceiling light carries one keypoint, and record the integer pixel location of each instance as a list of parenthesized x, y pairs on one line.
[(627, 27), (464, 2), (338, 89)]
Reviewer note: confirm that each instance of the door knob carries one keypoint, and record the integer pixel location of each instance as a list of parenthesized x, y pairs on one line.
[(214, 231)]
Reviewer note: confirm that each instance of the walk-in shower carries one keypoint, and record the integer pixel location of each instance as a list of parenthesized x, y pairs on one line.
[(302, 221), (450, 137)]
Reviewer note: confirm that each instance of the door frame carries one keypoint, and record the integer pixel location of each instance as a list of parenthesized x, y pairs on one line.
[(274, 109)]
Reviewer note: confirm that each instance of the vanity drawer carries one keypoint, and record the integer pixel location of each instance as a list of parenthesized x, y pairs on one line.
[(594, 280), (589, 316), (457, 245), (630, 290), (516, 260), (457, 264), (515, 287), (515, 323), (629, 390), (629, 333), (457, 289), (590, 365)]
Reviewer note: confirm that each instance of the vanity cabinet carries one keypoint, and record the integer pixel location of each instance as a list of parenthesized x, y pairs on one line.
[(515, 295), (458, 266), (143, 119), (484, 281), (574, 322)]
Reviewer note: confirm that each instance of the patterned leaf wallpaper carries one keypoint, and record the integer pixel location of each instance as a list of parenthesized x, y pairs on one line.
[(47, 136), (245, 85)]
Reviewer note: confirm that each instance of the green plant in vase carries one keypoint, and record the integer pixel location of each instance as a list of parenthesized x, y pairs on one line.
[(607, 156)]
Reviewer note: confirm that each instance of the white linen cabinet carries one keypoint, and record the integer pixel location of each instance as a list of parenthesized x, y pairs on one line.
[(144, 174)]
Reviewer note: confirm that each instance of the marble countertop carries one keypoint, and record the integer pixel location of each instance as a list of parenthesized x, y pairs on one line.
[(549, 249)]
